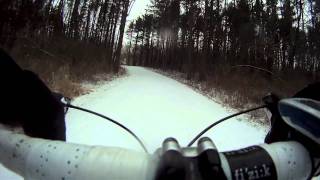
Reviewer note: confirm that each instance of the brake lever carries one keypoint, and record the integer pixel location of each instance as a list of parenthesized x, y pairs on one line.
[(62, 99), (279, 131), (271, 101)]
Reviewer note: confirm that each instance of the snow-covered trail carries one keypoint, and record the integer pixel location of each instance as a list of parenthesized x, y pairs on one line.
[(154, 107)]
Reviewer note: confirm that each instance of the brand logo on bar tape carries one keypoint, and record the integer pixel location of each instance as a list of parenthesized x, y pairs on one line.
[(251, 163)]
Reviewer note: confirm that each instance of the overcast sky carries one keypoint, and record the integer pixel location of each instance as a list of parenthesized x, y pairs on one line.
[(138, 9)]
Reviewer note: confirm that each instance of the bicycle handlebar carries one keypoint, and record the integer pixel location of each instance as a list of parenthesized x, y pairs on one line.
[(35, 158)]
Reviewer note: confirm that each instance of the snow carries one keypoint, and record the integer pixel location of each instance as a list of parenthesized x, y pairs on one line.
[(154, 107)]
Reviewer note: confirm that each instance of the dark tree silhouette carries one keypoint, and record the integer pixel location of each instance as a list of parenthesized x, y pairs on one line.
[(86, 23), (198, 36)]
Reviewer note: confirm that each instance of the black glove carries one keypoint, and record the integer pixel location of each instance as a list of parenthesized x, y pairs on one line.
[(280, 131), (312, 91), (29, 103)]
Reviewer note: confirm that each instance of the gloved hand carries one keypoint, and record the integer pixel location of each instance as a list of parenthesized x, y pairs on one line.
[(312, 91), (280, 131), (29, 103)]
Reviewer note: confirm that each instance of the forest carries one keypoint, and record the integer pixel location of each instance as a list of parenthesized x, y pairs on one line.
[(245, 47), (64, 40), (240, 49)]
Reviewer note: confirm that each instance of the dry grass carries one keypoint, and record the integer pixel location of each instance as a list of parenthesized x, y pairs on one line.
[(244, 88), (62, 64)]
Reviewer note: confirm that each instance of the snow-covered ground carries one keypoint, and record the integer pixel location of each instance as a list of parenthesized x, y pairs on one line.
[(154, 107)]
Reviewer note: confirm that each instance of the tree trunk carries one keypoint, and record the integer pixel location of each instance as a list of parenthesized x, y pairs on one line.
[(122, 26)]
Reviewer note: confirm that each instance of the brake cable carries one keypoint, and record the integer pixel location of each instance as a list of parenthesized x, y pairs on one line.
[(68, 105), (222, 120)]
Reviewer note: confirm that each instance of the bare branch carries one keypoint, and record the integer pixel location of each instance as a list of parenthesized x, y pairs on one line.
[(258, 68)]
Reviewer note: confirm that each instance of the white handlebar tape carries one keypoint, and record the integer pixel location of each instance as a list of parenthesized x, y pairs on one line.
[(37, 159), (292, 160), (284, 160), (289, 160)]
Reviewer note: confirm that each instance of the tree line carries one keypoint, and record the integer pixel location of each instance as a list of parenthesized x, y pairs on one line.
[(74, 26), (201, 37)]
